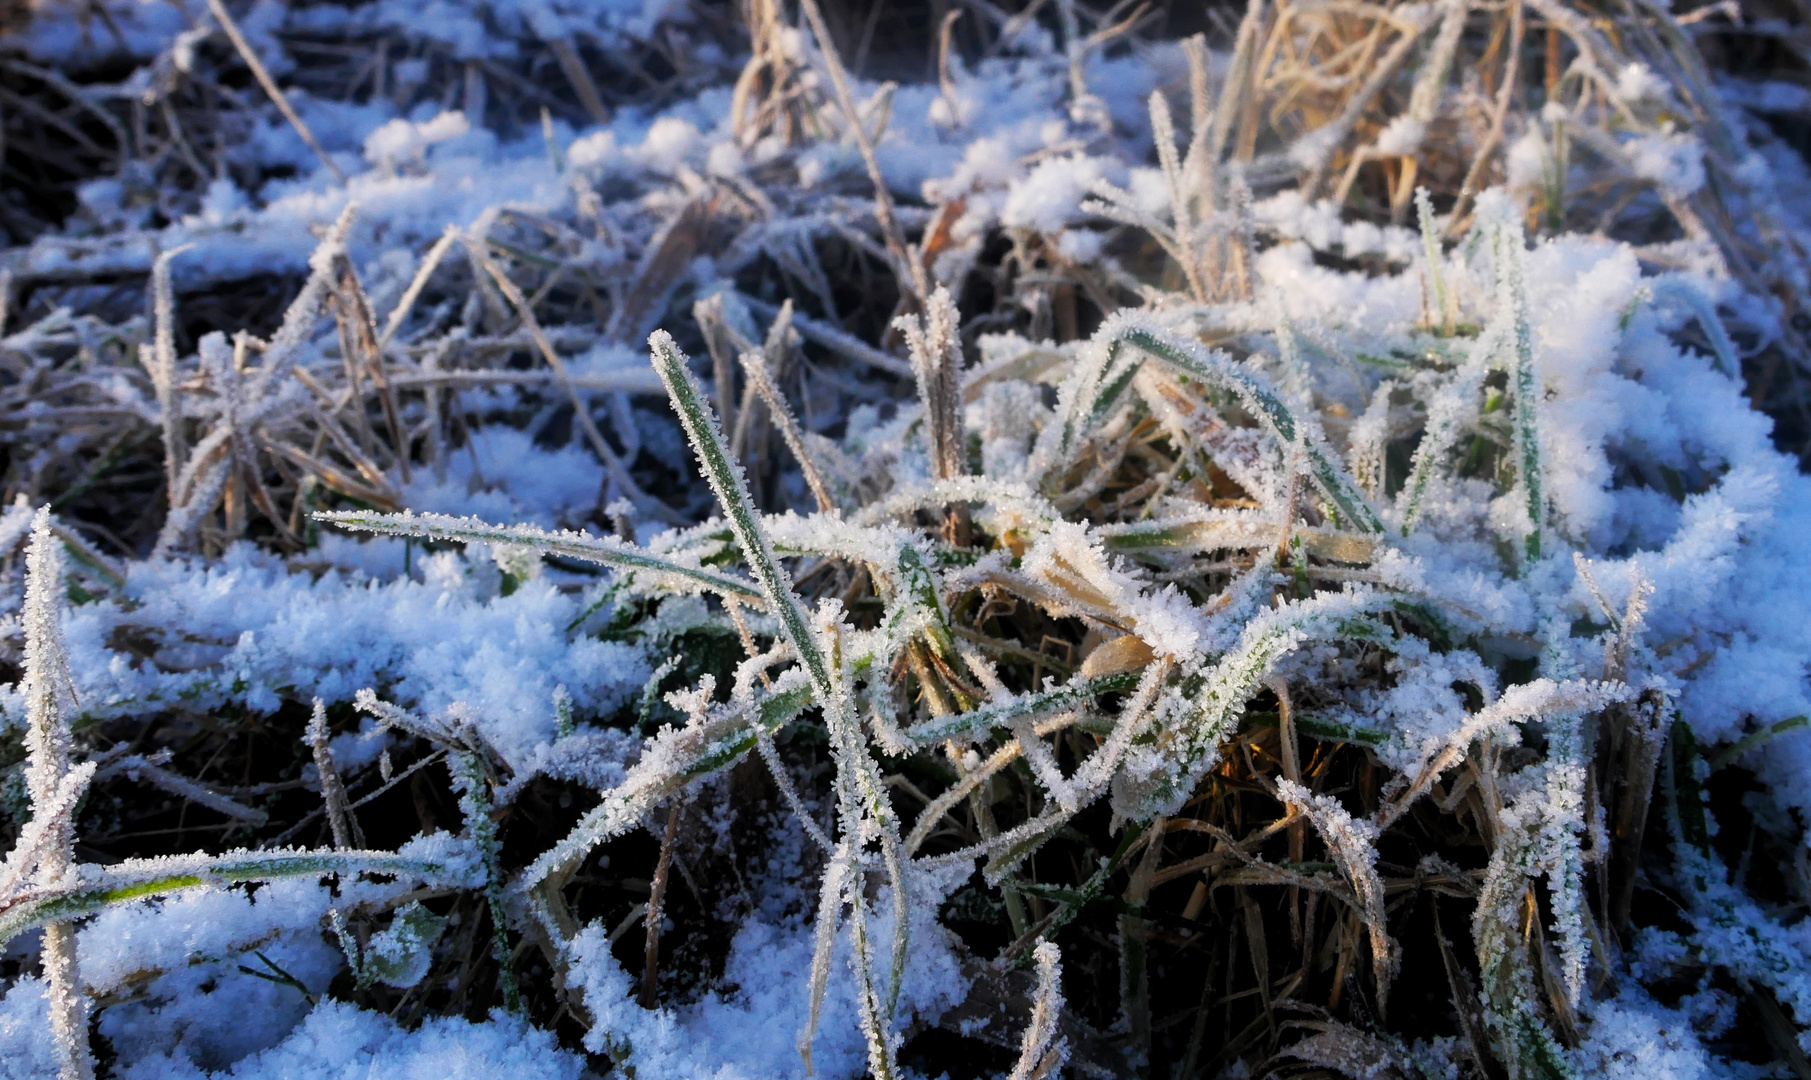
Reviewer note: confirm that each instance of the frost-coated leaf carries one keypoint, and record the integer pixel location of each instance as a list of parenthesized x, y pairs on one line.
[(400, 955)]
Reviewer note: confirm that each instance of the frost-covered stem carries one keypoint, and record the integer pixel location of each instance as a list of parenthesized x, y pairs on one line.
[(978, 722), (1430, 245), (475, 805), (829, 916), (876, 1016), (762, 380), (68, 1004), (688, 755), (770, 755), (724, 344), (1728, 360), (866, 809), (657, 891), (918, 590), (355, 957), (47, 746), (1163, 132), (1218, 694), (1450, 408), (1298, 381), (333, 792), (1042, 1051), (936, 350), (725, 478), (981, 806), (1543, 697), (1644, 738), (300, 317), (410, 295), (47, 741), (563, 727), (968, 783), (162, 366), (581, 410), (1430, 81), (935, 343), (1368, 438), (1561, 855), (150, 770), (856, 782)]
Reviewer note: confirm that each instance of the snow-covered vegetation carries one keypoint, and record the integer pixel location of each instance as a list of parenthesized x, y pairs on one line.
[(670, 538)]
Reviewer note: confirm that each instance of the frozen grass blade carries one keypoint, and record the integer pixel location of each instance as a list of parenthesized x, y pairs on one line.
[(151, 771), (829, 917), (1525, 379), (96, 889), (602, 550), (475, 804), (936, 349), (1524, 1043), (1353, 846), (725, 478), (859, 787), (47, 746), (161, 363), (333, 792), (1436, 258), (675, 760), (1449, 410), (1078, 693), (755, 364), (277, 97)]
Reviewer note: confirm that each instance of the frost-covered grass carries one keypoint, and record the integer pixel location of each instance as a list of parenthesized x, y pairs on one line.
[(575, 539)]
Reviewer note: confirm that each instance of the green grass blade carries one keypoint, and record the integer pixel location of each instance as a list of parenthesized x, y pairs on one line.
[(135, 879)]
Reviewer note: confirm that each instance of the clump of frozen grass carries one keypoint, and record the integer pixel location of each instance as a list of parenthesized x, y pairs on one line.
[(1279, 563), (1202, 661)]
